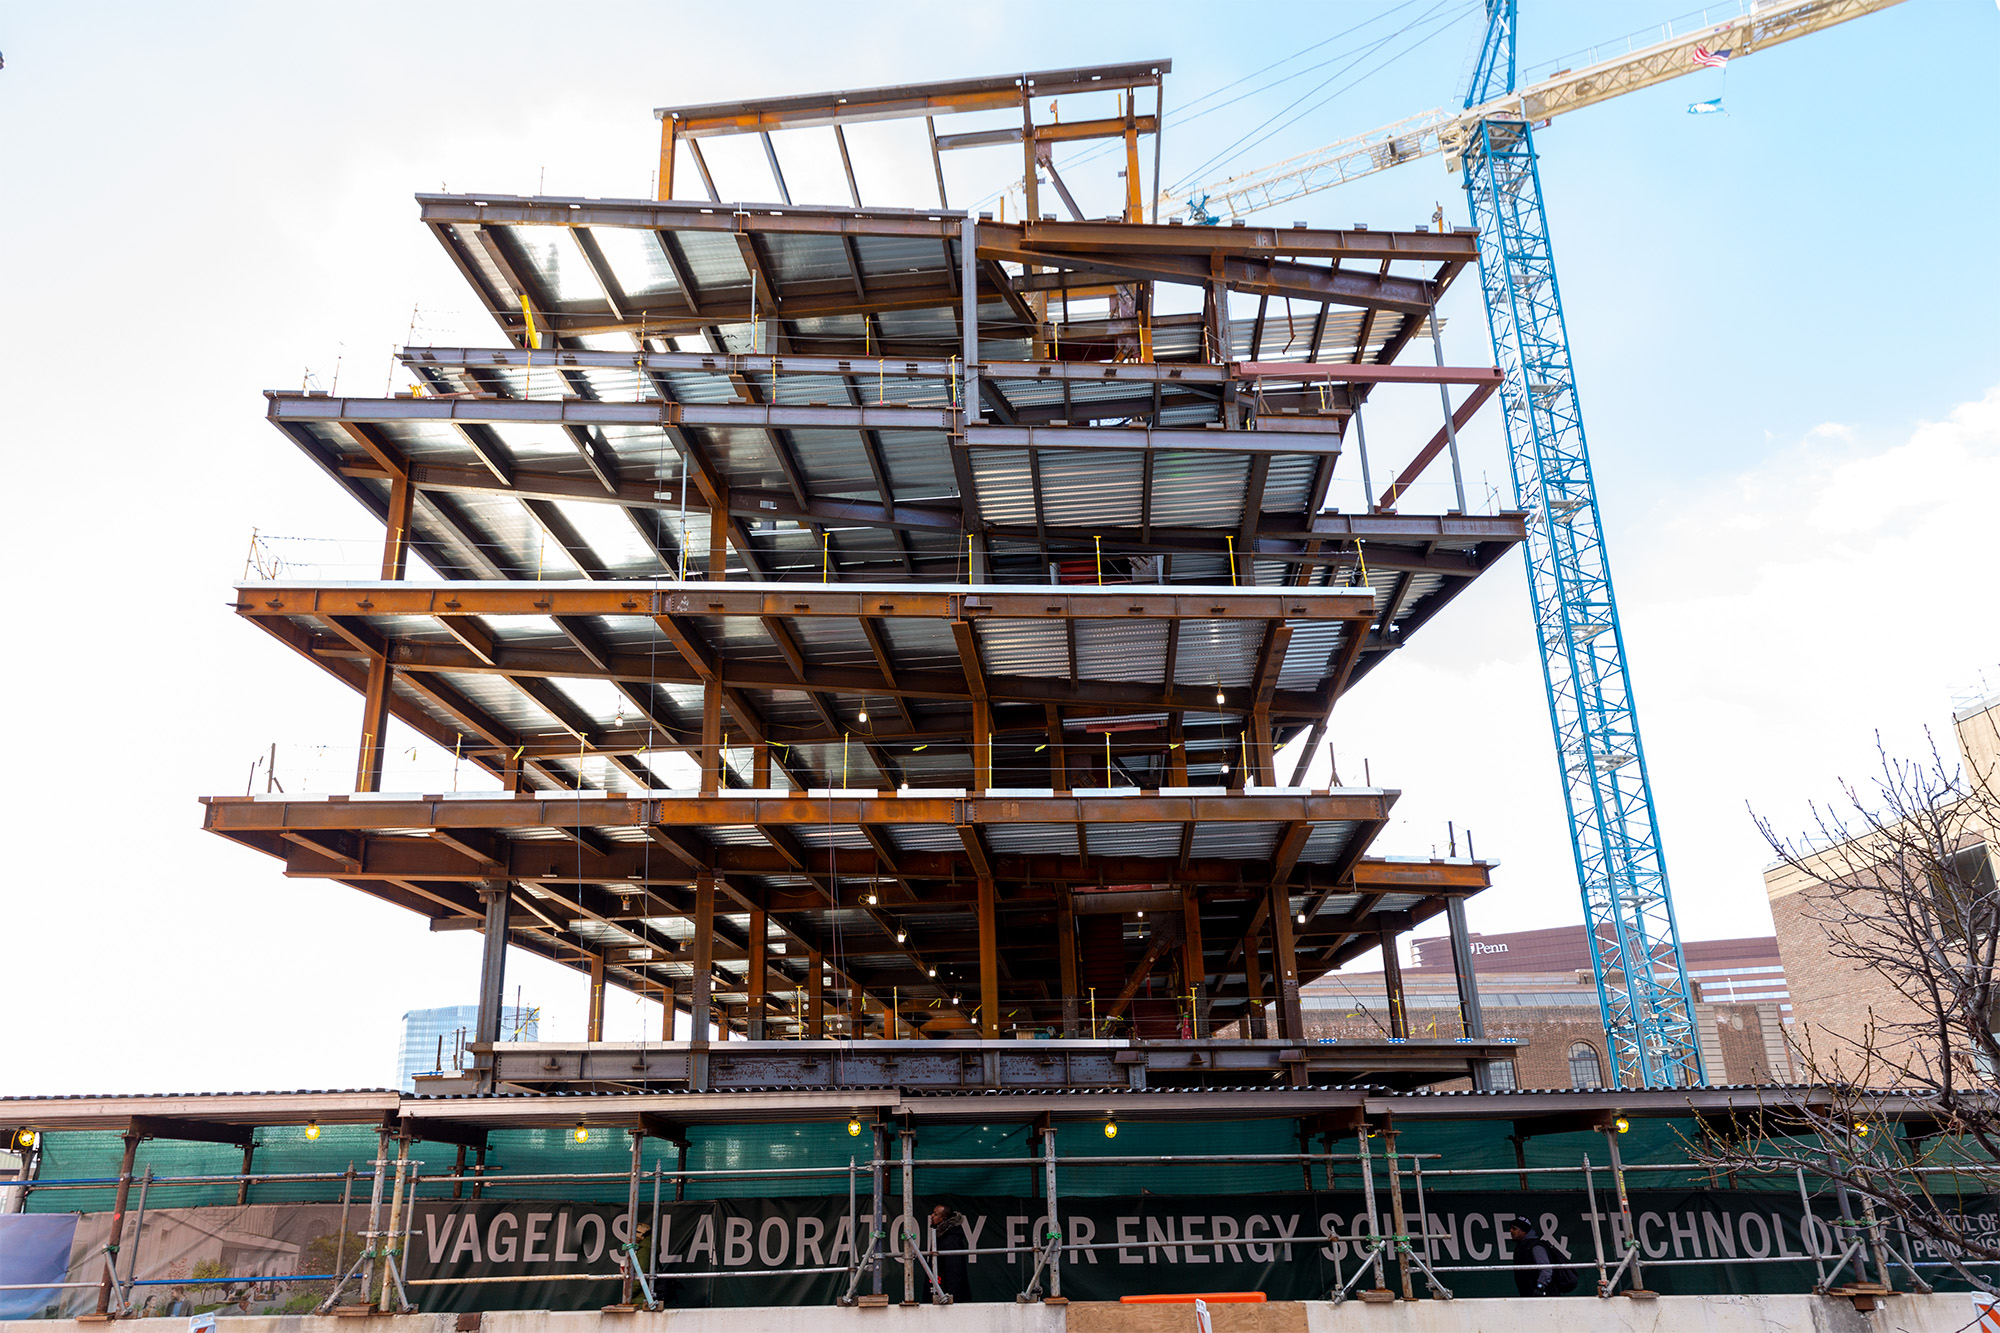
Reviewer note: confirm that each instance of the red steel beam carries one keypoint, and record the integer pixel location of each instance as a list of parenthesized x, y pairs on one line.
[(1343, 373)]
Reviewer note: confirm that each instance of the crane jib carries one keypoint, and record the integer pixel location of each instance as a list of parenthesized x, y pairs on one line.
[(1493, 96)]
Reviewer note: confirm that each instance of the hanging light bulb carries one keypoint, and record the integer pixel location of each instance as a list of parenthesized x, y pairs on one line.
[(1218, 694), (312, 1131), (954, 1001), (1621, 1124), (933, 971), (864, 715), (1142, 914), (902, 935), (854, 1127), (1302, 918), (872, 900), (581, 1133), (1111, 1128)]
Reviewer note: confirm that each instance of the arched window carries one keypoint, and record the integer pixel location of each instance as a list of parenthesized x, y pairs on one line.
[(1584, 1071)]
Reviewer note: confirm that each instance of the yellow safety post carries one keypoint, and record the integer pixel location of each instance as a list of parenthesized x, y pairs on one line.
[(534, 338)]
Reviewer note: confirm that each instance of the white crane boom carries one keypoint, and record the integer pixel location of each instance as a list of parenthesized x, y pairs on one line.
[(1763, 24)]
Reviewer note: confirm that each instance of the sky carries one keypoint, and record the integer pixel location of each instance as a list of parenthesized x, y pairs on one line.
[(1783, 322)]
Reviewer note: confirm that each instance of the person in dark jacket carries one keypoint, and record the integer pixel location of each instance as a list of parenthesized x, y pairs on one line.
[(1534, 1260), (948, 1231)]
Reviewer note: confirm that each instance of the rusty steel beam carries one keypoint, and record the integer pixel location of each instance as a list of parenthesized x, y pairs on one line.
[(945, 877), (598, 811), (640, 668), (901, 101), (287, 405), (803, 600)]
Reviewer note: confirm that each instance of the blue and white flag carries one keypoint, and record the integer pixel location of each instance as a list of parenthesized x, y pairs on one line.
[(1712, 107)]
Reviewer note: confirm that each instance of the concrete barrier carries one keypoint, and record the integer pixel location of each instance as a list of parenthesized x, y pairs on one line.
[(1944, 1313)]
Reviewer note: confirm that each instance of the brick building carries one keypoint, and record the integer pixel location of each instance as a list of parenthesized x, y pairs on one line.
[(1837, 998), (1536, 987)]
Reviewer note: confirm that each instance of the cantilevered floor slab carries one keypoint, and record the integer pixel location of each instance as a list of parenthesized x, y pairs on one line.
[(509, 487), (592, 267), (849, 684), (893, 899)]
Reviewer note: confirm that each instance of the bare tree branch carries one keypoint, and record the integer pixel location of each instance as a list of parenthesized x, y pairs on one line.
[(1899, 878)]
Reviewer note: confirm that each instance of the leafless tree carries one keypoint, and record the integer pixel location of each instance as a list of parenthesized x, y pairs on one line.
[(1899, 879)]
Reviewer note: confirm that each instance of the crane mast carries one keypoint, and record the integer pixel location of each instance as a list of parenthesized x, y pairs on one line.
[(1642, 983), (1635, 946)]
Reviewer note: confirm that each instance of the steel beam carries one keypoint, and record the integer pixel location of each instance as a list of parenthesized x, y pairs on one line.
[(789, 600)]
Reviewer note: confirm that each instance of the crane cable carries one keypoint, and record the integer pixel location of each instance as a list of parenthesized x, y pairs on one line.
[(1266, 128)]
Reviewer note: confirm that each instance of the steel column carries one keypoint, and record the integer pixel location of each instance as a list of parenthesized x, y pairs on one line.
[(815, 995), (1193, 967), (1471, 1020), (756, 978), (1253, 983), (396, 541), (243, 1185), (989, 959), (1066, 960), (700, 1010), (1285, 966), (1392, 977), (496, 898), (374, 723)]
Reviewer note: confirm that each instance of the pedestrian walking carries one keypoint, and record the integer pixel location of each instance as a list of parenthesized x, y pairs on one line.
[(947, 1254), (1535, 1271)]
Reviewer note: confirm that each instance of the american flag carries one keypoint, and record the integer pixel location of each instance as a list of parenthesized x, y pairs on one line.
[(1712, 59)]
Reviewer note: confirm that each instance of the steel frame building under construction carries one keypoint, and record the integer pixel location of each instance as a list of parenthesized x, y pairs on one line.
[(877, 629), (976, 590)]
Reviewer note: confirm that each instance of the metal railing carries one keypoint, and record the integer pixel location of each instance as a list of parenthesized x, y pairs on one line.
[(1850, 1242)]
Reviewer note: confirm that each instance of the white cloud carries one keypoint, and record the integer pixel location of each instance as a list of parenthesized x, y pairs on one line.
[(1775, 619)]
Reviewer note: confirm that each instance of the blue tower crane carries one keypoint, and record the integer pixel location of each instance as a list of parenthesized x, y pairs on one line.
[(1628, 908), (1635, 944)]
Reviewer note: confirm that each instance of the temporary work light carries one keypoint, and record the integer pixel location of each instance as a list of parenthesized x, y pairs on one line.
[(1111, 1128), (581, 1133), (854, 1127), (1621, 1124), (312, 1129)]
